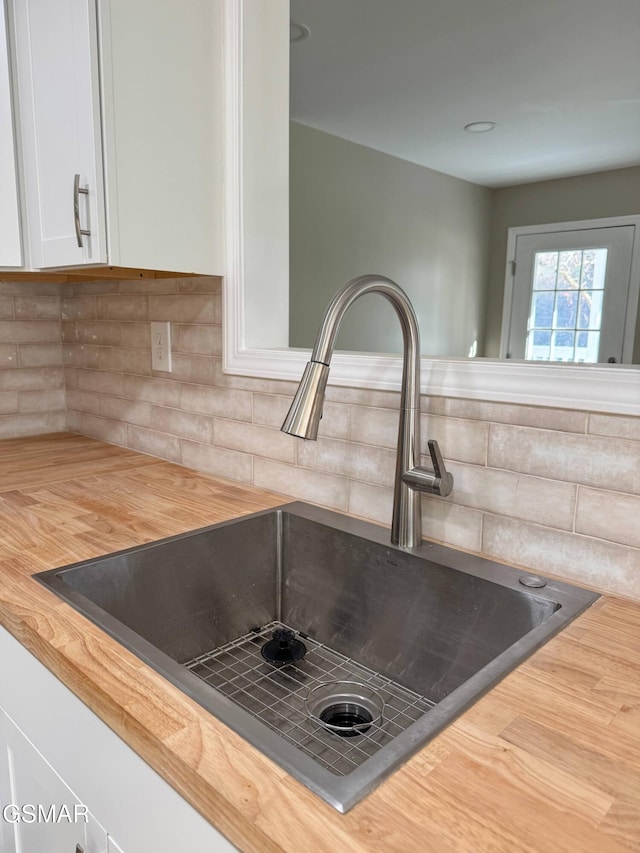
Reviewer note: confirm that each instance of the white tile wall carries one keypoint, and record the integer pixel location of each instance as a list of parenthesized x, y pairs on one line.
[(552, 490), (32, 398)]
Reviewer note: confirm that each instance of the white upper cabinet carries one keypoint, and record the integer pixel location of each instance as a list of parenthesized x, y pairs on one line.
[(59, 101), (163, 95), (121, 117), (10, 246)]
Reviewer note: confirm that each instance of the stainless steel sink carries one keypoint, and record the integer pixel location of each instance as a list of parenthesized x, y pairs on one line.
[(397, 643)]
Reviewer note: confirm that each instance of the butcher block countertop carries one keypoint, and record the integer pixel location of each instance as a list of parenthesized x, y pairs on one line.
[(549, 760)]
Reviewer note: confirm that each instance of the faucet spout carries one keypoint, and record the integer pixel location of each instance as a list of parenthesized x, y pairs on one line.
[(304, 415)]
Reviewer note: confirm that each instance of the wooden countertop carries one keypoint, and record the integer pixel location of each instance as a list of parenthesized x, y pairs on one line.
[(549, 760)]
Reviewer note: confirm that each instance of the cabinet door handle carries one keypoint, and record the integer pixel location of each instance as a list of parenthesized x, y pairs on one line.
[(77, 189)]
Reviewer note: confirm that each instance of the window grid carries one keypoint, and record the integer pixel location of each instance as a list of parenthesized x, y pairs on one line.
[(566, 305)]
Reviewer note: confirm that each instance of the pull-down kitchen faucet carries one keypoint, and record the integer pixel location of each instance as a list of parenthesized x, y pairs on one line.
[(304, 415)]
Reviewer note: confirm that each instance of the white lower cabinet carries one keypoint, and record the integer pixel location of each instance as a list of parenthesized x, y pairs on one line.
[(55, 753), (39, 811)]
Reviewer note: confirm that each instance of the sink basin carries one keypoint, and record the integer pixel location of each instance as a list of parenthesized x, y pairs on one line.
[(376, 648)]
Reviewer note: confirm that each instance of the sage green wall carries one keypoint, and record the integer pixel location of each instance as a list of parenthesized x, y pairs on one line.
[(353, 211), (603, 194)]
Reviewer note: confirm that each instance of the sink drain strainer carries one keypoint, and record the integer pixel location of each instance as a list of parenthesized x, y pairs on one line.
[(345, 708)]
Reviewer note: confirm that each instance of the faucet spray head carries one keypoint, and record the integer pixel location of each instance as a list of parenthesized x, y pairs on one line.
[(304, 415)]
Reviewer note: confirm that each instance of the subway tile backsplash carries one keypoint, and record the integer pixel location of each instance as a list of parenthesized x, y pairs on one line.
[(551, 490), (32, 385), (586, 459)]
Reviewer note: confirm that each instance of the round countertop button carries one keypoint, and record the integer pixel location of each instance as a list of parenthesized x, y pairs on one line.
[(532, 581)]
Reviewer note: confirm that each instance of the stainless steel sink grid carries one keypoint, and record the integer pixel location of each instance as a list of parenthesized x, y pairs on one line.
[(276, 696), (433, 627)]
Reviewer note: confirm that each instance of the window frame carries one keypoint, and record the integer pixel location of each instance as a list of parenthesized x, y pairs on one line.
[(575, 225)]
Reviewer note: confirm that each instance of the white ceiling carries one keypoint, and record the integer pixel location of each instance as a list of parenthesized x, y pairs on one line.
[(561, 78)]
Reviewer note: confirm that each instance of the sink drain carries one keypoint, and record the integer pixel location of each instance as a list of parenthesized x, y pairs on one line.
[(345, 708), (347, 720)]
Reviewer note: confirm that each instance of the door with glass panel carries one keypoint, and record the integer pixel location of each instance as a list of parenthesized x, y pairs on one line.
[(570, 295)]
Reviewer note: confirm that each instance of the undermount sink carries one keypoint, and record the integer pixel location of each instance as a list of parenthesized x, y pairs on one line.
[(376, 648)]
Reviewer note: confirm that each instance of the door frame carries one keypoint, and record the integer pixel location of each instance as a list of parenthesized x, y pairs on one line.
[(575, 225)]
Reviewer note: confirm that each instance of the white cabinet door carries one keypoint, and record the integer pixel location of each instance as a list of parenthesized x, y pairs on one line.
[(39, 811), (10, 248), (56, 47), (162, 96), (130, 799)]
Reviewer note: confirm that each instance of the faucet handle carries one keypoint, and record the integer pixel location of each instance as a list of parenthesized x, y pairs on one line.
[(444, 479), (436, 458), (437, 482)]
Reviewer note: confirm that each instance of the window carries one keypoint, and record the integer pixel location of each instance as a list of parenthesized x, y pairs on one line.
[(566, 305), (567, 297)]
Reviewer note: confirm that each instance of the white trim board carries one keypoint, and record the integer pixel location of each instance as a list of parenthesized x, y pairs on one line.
[(613, 389), (598, 388)]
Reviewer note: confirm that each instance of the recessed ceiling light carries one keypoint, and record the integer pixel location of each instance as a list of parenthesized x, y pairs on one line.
[(480, 126), (298, 32)]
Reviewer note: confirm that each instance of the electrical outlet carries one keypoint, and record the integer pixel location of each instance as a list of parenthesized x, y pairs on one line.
[(161, 346)]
